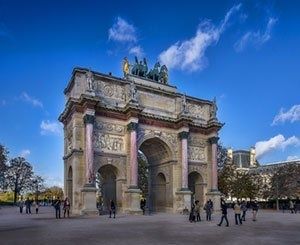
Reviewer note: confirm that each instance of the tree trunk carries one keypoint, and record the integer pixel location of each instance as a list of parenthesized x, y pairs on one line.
[(15, 195), (277, 204)]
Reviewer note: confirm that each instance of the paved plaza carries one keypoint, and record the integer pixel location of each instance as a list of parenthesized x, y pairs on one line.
[(271, 228)]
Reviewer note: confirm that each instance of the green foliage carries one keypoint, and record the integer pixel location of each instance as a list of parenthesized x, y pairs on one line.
[(285, 182), (244, 186), (237, 183), (226, 179), (52, 192), (19, 176), (221, 156), (3, 165), (143, 174)]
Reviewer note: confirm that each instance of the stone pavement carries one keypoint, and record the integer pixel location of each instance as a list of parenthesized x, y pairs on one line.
[(271, 228)]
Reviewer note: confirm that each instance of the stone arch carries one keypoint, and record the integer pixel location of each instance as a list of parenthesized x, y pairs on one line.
[(164, 142), (159, 157), (196, 186), (70, 185), (107, 185)]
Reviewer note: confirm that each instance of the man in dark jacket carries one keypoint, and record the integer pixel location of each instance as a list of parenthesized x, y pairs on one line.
[(57, 204), (112, 209), (224, 213)]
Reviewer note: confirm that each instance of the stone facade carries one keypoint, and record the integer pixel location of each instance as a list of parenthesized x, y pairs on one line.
[(107, 120)]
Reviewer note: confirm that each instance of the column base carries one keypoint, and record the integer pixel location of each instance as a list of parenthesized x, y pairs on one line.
[(183, 201), (215, 196), (133, 196), (89, 200)]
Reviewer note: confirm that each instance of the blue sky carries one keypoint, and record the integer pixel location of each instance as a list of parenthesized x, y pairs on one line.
[(246, 53)]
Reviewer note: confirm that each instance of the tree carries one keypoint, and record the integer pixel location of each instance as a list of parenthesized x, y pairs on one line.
[(244, 185), (52, 192), (226, 177), (37, 185), (19, 176), (284, 183), (222, 158), (143, 173), (3, 165)]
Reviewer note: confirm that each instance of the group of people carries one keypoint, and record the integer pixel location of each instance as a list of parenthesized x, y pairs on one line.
[(27, 204), (66, 207), (195, 211), (240, 209)]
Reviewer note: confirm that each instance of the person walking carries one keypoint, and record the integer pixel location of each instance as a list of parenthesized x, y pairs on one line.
[(36, 204), (208, 209), (254, 209), (112, 209), (244, 210), (66, 207), (224, 213), (28, 206), (192, 217), (292, 206), (21, 205), (57, 204), (197, 211), (143, 205), (237, 213)]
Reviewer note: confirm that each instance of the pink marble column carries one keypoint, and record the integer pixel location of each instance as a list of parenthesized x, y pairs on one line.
[(132, 128), (89, 150), (184, 159), (214, 168)]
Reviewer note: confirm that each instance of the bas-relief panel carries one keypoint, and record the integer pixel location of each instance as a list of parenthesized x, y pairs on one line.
[(109, 137), (110, 127), (110, 90), (196, 148), (156, 101), (198, 111)]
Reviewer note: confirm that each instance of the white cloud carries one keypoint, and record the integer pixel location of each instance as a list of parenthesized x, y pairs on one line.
[(122, 31), (48, 127), (275, 143), (190, 54), (257, 38), (35, 102), (25, 153), (292, 115), (291, 158), (137, 51)]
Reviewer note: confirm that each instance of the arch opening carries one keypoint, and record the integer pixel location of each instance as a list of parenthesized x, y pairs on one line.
[(154, 156), (106, 184), (196, 186)]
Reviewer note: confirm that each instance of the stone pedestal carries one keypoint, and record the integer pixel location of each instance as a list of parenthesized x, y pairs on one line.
[(134, 196), (183, 200), (215, 196), (89, 200)]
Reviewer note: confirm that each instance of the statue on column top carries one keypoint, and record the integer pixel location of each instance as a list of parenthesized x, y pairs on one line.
[(125, 67)]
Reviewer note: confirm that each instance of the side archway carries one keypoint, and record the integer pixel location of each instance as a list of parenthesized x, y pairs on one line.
[(196, 186)]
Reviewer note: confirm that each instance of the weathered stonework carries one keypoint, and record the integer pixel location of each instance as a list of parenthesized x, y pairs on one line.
[(122, 116)]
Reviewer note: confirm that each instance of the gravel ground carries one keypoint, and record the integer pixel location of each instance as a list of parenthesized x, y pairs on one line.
[(270, 228)]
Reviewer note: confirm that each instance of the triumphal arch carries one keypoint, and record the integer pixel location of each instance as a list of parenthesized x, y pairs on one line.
[(108, 121)]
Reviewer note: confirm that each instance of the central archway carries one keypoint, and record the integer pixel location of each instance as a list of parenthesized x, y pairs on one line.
[(156, 186), (106, 184)]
